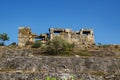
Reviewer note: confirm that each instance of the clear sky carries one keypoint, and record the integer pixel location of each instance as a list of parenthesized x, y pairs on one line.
[(103, 16)]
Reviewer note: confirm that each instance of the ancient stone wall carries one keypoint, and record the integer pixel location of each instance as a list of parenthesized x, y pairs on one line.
[(84, 36), (25, 35)]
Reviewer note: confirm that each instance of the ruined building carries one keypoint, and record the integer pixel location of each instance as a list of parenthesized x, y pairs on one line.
[(25, 36), (82, 37)]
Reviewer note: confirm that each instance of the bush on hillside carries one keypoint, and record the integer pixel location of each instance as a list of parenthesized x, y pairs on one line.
[(58, 46), (13, 44), (3, 37), (36, 44)]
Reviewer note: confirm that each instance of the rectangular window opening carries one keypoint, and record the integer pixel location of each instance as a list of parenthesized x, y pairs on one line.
[(86, 32)]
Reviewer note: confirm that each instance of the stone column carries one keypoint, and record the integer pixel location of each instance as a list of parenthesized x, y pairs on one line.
[(51, 31)]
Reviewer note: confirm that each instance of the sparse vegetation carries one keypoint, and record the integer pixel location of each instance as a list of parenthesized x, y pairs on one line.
[(13, 44), (98, 73), (50, 78), (53, 78), (83, 52), (59, 46), (3, 37), (36, 44)]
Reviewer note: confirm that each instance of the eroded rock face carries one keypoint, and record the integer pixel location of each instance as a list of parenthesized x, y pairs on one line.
[(15, 52), (21, 64), (39, 76), (86, 68)]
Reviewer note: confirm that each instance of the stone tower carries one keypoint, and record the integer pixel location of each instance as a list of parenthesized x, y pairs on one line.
[(25, 36)]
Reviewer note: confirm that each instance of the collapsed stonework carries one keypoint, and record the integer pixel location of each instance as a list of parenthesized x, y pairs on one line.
[(82, 37), (25, 36)]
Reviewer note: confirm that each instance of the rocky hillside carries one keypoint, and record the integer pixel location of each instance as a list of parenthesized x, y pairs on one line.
[(24, 64)]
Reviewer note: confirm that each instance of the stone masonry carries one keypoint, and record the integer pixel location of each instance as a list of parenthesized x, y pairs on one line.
[(82, 37), (25, 36)]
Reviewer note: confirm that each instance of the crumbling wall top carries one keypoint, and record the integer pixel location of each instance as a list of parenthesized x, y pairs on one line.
[(23, 27)]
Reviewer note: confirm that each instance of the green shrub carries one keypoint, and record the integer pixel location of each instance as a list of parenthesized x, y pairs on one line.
[(50, 78), (3, 37), (36, 44), (98, 73), (58, 46), (84, 54), (13, 44)]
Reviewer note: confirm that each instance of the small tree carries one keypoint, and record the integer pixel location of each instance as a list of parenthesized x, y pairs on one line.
[(58, 45), (4, 37)]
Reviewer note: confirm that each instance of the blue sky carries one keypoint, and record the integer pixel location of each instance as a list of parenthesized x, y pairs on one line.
[(103, 16)]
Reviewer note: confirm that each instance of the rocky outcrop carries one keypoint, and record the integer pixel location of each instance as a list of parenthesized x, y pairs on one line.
[(22, 65), (86, 68)]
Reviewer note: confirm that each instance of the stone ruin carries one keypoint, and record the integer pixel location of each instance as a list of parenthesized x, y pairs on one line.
[(25, 36), (82, 37)]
